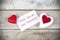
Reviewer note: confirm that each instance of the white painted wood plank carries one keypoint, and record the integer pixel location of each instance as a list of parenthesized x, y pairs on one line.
[(30, 4), (4, 24), (29, 35)]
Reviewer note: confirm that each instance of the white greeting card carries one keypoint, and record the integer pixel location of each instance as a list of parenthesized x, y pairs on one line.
[(27, 20)]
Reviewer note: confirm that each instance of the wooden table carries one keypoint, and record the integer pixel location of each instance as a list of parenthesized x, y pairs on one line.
[(10, 31)]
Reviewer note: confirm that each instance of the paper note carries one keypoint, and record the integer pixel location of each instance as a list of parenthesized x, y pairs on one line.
[(27, 20)]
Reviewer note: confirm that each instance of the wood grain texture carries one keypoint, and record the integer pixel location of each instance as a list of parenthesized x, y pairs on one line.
[(30, 35), (10, 31), (30, 4), (5, 14)]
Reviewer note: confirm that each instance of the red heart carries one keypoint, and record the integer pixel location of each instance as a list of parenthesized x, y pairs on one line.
[(46, 19), (12, 19)]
